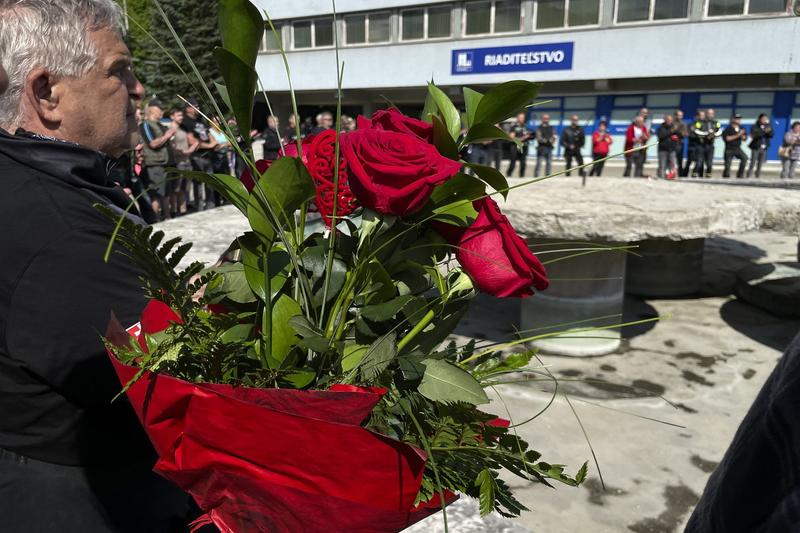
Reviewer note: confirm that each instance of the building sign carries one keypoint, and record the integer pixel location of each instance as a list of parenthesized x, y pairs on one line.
[(533, 57)]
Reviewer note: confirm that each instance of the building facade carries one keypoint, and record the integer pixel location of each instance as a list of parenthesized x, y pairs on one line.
[(599, 59)]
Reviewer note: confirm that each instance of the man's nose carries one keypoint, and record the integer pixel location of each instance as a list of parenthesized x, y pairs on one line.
[(136, 90)]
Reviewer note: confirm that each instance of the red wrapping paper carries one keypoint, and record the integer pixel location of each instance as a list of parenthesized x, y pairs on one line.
[(275, 459)]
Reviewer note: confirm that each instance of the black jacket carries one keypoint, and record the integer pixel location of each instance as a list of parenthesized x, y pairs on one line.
[(573, 136), (56, 381), (665, 141), (756, 487), (272, 144), (762, 135), (56, 296)]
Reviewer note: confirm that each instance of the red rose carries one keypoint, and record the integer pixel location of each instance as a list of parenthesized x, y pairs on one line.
[(262, 165), (321, 152), (496, 258), (394, 173), (393, 120)]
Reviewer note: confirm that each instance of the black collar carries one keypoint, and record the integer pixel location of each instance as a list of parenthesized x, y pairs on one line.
[(69, 162)]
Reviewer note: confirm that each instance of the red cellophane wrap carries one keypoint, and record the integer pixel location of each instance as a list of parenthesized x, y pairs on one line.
[(274, 459)]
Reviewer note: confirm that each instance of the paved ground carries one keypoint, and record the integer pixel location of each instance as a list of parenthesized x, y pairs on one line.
[(708, 360)]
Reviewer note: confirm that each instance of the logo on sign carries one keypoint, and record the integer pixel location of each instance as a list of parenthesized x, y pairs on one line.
[(553, 56), (464, 62)]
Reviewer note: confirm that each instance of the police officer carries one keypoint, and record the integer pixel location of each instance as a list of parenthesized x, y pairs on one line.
[(694, 143), (711, 129), (733, 135), (520, 132)]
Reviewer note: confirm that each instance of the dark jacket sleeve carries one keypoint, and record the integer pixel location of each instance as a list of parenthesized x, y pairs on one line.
[(756, 487), (61, 307)]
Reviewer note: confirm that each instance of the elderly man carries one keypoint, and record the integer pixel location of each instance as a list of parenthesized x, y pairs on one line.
[(70, 459)]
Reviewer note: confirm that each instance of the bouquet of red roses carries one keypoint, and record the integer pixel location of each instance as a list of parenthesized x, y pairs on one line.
[(306, 384)]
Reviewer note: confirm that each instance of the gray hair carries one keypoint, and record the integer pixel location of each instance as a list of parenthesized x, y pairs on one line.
[(50, 34)]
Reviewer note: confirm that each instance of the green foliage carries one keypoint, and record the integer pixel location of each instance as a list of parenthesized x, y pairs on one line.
[(504, 100), (447, 111), (156, 260), (471, 100), (195, 21)]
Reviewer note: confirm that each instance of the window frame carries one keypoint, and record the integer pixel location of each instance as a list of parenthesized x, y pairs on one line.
[(313, 21), (344, 28), (746, 12), (425, 24), (566, 25), (650, 14), (279, 29), (367, 16), (492, 20)]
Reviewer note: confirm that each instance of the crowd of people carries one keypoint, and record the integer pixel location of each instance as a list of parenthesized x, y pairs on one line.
[(684, 148), (181, 138)]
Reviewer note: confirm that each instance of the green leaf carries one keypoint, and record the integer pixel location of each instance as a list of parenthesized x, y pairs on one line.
[(412, 368), (505, 100), (443, 326), (316, 343), (353, 355), (233, 286), (238, 333), (442, 139), (300, 378), (483, 132), (228, 186), (471, 101), (223, 93), (429, 109), (380, 280), (485, 482), (444, 382), (315, 261), (386, 310), (581, 475), (286, 185), (452, 202), (492, 176), (459, 187), (241, 81), (241, 28), (378, 357), (278, 266), (303, 327), (283, 338), (451, 116), (459, 213)]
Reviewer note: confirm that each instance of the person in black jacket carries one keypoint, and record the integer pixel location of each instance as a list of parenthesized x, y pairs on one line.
[(761, 134), (572, 140), (733, 136), (71, 461), (520, 132), (272, 139), (667, 146), (756, 487)]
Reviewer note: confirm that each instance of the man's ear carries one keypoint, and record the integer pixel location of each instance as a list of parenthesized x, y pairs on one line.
[(41, 97)]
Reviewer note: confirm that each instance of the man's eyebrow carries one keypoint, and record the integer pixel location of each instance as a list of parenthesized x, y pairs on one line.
[(120, 61)]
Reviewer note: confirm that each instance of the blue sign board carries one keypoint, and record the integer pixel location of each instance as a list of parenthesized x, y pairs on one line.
[(527, 58)]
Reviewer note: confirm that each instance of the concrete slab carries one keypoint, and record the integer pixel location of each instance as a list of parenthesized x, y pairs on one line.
[(631, 209)]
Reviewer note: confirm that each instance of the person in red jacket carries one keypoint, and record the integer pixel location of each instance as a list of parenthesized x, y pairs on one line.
[(636, 137), (601, 142)]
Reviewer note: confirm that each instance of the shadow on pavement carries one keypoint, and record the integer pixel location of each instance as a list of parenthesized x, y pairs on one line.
[(770, 330)]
